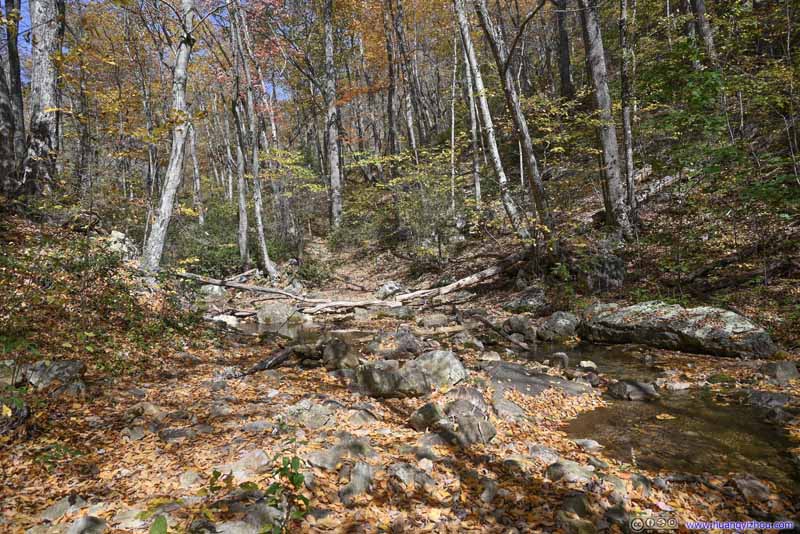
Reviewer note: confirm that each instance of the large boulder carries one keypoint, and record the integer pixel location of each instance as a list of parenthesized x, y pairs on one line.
[(704, 330), (67, 375), (559, 326), (277, 313), (781, 372), (533, 300), (388, 379)]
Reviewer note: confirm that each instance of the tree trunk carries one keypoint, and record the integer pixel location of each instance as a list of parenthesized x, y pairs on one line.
[(704, 29), (47, 31), (14, 77), (154, 246), (617, 210), (244, 255), (391, 120), (255, 167), (469, 98), (8, 167), (626, 98), (501, 58), (331, 125), (197, 193), (564, 63), (505, 196)]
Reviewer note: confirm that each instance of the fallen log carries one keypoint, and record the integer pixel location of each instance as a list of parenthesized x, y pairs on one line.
[(320, 305), (504, 265)]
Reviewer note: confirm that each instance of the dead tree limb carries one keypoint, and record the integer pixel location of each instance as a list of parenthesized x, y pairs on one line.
[(319, 305), (490, 324)]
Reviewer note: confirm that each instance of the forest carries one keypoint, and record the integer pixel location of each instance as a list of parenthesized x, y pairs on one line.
[(513, 266)]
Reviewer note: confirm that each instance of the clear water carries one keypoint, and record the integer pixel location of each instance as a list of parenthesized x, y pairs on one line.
[(703, 434)]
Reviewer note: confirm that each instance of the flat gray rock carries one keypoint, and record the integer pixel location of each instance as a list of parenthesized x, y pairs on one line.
[(703, 330), (529, 382)]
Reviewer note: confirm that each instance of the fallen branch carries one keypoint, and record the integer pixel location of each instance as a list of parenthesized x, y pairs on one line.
[(319, 305), (487, 322), (467, 281), (273, 361)]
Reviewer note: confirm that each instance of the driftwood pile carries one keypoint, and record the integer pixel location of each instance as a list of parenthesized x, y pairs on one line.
[(312, 305)]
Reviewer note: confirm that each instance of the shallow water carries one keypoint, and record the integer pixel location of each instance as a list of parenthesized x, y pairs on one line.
[(701, 434)]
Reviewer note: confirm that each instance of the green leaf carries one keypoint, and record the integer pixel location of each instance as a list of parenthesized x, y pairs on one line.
[(159, 526)]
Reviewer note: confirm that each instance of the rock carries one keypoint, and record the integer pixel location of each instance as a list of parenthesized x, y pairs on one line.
[(704, 330), (119, 243), (768, 399), (388, 289), (546, 455), (228, 320), (360, 481), (519, 324), (417, 377), (410, 476), (441, 367), (467, 341), (642, 484), (464, 430), (347, 445), (384, 379), (259, 426), (505, 409), (277, 314), (130, 519), (337, 355), (633, 390), (68, 505), (752, 489), (587, 365), (427, 416), (589, 445), (597, 463), (8, 372), (88, 525), (529, 382), (134, 433), (558, 327), (176, 435), (219, 410), (67, 374), (249, 465), (489, 356), (212, 291), (619, 491), (569, 471), (578, 504), (532, 300), (469, 394), (782, 372), (489, 490), (559, 360), (435, 320), (677, 386), (570, 523), (311, 414)]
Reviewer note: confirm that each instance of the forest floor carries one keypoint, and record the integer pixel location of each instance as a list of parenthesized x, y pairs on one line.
[(169, 413)]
